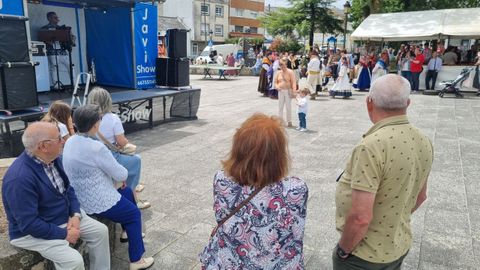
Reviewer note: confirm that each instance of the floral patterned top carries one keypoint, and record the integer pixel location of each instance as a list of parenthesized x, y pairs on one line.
[(267, 233)]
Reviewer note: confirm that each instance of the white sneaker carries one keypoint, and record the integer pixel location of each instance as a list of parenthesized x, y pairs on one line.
[(303, 130), (144, 263), (298, 128), (143, 204)]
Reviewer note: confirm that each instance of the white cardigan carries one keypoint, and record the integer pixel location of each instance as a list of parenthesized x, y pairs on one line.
[(92, 170)]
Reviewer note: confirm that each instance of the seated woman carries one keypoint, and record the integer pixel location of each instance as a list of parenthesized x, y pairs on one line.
[(60, 114), (112, 130), (267, 231), (92, 171)]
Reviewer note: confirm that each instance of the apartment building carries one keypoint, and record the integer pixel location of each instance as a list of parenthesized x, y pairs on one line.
[(211, 23), (244, 20)]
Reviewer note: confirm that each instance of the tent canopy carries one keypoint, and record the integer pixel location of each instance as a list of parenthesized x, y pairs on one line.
[(420, 25)]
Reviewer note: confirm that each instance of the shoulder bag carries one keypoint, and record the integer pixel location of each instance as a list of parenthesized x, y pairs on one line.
[(128, 149), (235, 211)]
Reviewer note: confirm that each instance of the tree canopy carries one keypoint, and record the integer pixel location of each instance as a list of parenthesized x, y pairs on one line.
[(362, 8), (303, 18)]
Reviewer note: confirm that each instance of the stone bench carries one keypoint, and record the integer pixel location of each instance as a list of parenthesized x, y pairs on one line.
[(16, 258)]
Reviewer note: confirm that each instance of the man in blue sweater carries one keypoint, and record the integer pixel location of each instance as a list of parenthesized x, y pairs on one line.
[(42, 209)]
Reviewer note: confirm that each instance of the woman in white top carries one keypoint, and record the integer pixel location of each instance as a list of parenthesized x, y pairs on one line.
[(93, 171), (112, 129), (60, 114)]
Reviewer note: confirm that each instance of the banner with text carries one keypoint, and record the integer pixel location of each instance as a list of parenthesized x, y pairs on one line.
[(145, 23), (11, 7)]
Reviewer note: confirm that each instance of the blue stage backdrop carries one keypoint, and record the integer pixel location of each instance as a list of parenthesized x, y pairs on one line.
[(145, 29), (11, 7), (109, 43)]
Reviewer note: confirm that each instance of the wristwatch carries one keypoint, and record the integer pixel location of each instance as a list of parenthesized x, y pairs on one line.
[(77, 215), (342, 254)]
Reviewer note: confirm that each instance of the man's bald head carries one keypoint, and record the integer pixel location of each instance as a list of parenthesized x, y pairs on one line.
[(37, 132), (390, 92)]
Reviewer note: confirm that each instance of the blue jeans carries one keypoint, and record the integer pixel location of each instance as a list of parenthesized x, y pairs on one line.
[(128, 215), (302, 117), (133, 164), (415, 81), (407, 75)]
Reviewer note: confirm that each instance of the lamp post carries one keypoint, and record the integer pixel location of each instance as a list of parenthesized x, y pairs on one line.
[(205, 19), (346, 10)]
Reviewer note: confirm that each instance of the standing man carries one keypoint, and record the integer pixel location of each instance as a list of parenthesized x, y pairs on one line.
[(58, 49), (416, 67), (42, 209), (433, 67), (384, 182), (313, 78)]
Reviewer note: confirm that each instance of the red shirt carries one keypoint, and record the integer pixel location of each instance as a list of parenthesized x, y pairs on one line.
[(417, 67)]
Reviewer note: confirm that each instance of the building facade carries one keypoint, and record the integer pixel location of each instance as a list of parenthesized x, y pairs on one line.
[(211, 23), (244, 20), (183, 10)]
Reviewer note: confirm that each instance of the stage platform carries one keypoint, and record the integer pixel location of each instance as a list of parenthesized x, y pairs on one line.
[(138, 109)]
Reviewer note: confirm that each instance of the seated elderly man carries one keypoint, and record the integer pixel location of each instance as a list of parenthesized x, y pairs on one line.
[(42, 209)]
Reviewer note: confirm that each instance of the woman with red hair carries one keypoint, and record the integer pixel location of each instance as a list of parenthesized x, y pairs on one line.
[(260, 211)]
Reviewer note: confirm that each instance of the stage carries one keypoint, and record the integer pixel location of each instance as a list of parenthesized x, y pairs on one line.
[(138, 109)]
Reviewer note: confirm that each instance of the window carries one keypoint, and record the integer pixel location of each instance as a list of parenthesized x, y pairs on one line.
[(219, 11), (238, 28), (253, 30), (205, 9), (239, 12), (218, 30), (204, 28), (254, 14), (195, 49)]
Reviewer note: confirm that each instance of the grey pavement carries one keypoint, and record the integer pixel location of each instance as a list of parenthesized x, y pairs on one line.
[(180, 159)]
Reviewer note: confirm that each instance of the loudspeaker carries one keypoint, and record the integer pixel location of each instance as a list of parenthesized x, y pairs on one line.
[(13, 39), (177, 43), (161, 69), (177, 72), (18, 89)]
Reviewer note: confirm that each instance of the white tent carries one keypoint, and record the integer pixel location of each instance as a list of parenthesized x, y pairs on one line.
[(420, 25)]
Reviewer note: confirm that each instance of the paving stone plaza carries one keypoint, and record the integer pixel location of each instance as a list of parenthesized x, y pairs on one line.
[(180, 159)]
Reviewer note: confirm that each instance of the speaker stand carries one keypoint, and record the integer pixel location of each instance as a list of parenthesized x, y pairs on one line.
[(58, 82)]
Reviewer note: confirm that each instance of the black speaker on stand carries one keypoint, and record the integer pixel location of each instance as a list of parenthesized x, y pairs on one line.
[(178, 72), (161, 71), (177, 43), (13, 39), (18, 88)]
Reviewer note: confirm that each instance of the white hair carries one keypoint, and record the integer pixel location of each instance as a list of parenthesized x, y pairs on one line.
[(35, 133), (390, 92)]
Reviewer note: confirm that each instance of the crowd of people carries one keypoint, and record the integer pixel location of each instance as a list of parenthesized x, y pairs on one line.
[(357, 70), (76, 168), (72, 172), (79, 166)]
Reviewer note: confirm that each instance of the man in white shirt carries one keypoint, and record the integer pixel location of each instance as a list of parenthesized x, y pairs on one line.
[(314, 78), (434, 66), (220, 59)]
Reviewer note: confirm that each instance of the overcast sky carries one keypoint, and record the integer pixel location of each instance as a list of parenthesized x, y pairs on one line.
[(283, 3)]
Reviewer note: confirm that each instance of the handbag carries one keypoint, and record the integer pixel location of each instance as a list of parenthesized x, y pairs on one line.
[(128, 149), (235, 211)]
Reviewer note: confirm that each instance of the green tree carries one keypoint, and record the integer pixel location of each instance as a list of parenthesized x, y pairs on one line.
[(362, 8), (303, 17)]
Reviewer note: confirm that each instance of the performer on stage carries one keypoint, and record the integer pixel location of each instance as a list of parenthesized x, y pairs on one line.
[(58, 49)]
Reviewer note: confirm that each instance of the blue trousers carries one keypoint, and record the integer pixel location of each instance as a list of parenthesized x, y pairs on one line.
[(415, 81), (302, 117), (407, 75), (133, 164), (128, 215)]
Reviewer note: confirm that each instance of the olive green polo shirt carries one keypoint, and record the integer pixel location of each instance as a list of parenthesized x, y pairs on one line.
[(393, 160)]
